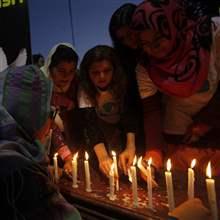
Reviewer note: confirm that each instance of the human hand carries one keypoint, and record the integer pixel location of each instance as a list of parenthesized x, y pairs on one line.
[(105, 164), (142, 165), (126, 158), (195, 132), (157, 158), (191, 209), (68, 165)]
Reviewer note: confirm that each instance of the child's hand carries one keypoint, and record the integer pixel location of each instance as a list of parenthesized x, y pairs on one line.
[(191, 209), (126, 159), (68, 166), (105, 165), (145, 172)]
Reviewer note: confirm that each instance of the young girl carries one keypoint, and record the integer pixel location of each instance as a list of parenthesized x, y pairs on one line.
[(60, 66), (181, 63), (102, 93)]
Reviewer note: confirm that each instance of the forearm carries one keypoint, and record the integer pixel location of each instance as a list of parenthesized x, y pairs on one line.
[(100, 151), (130, 141), (153, 122)]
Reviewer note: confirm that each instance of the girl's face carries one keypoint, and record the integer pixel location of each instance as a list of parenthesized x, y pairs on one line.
[(101, 73), (154, 44), (128, 37), (63, 74)]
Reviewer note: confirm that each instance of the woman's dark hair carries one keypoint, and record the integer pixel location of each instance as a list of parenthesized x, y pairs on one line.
[(63, 53), (120, 18), (97, 54)]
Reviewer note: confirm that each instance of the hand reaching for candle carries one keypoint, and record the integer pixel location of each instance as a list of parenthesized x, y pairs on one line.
[(191, 209), (105, 165), (195, 132), (68, 165), (145, 172), (105, 161), (126, 158)]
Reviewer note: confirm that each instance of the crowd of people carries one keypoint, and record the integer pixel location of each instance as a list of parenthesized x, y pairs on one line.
[(154, 92)]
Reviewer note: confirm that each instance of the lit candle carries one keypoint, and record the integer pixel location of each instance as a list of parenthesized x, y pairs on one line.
[(169, 183), (74, 170), (149, 184), (210, 184), (55, 165), (145, 171), (87, 173), (134, 182), (112, 182), (115, 169), (191, 180)]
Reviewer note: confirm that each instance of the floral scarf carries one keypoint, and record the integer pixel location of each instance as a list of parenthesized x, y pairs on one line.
[(184, 70)]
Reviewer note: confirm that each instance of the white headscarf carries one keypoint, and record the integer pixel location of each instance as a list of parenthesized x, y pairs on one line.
[(45, 68)]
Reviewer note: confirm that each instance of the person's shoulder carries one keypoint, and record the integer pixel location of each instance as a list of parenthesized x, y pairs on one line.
[(216, 23)]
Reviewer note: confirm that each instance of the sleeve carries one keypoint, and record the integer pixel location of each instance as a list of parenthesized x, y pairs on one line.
[(211, 112), (93, 131), (145, 85), (153, 122), (83, 100), (59, 144), (216, 42), (128, 119)]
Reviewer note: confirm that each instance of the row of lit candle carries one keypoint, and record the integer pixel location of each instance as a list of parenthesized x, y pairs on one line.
[(114, 181)]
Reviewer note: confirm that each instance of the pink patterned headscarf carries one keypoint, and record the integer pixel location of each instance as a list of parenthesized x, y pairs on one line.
[(184, 70)]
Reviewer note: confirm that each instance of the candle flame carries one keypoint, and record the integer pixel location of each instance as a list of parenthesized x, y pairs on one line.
[(149, 162), (134, 160), (139, 162), (56, 154), (86, 155), (75, 156), (209, 170), (113, 153), (193, 163), (168, 165)]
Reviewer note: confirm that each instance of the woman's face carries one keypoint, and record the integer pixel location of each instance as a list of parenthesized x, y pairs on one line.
[(127, 37), (154, 44), (63, 74), (101, 73)]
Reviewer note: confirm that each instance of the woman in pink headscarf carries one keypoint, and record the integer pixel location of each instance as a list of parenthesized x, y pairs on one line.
[(179, 72)]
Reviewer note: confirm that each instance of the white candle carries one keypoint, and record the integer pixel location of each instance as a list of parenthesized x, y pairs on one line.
[(191, 180), (87, 173), (210, 183), (116, 169), (134, 182), (55, 165), (149, 184), (74, 170), (145, 171), (169, 184), (112, 182)]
